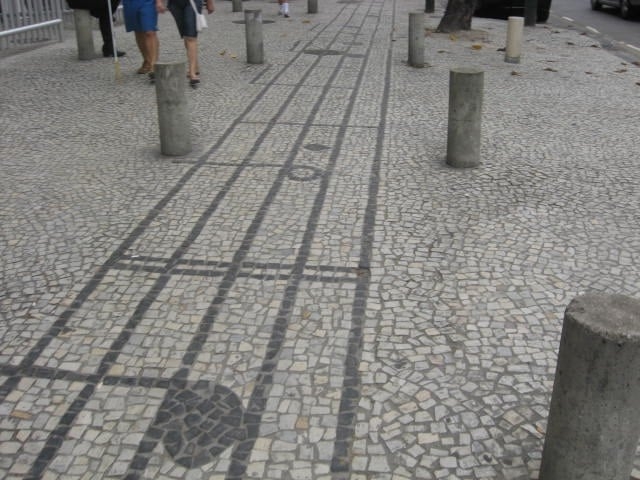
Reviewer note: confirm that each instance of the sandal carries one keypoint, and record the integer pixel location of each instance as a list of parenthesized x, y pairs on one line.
[(145, 68), (194, 82)]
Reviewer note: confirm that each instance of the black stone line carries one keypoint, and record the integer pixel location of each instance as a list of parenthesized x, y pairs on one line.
[(141, 459), (257, 402), (347, 416), (53, 442)]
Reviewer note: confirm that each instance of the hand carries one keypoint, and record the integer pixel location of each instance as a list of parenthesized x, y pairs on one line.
[(211, 6), (160, 8)]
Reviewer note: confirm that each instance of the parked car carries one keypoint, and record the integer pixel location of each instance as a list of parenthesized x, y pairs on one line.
[(627, 8), (515, 8)]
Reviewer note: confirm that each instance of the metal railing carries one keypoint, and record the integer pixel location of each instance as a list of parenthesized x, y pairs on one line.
[(28, 22)]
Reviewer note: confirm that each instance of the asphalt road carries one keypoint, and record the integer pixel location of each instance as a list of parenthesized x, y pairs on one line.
[(606, 25)]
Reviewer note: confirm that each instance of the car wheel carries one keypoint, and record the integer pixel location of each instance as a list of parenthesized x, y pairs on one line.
[(625, 9), (542, 16), (596, 5)]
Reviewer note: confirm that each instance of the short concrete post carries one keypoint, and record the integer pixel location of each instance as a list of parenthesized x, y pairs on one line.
[(253, 30), (83, 23), (594, 419), (416, 39), (530, 13), (514, 39), (312, 6), (429, 6), (466, 87), (173, 112), (236, 5)]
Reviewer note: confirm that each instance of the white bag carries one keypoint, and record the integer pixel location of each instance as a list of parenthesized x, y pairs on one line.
[(201, 21)]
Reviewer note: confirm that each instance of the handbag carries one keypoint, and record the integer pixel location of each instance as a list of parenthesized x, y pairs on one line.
[(201, 21)]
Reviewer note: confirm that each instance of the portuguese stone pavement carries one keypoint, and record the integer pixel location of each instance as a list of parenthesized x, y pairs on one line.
[(311, 293)]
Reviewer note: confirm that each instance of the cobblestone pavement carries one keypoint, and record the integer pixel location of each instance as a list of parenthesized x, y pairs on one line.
[(312, 293)]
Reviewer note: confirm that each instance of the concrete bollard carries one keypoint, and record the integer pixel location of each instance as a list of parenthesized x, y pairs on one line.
[(429, 6), (530, 13), (594, 419), (83, 23), (312, 6), (514, 39), (236, 5), (173, 112), (253, 30), (416, 39), (466, 87)]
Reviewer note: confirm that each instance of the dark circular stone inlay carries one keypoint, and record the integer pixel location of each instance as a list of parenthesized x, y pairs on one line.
[(304, 174), (316, 147), (199, 423), (321, 51)]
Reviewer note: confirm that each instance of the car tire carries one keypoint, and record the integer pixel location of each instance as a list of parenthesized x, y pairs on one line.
[(625, 9), (542, 16), (596, 5)]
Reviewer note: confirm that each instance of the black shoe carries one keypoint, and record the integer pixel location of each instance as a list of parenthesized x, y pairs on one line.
[(110, 54)]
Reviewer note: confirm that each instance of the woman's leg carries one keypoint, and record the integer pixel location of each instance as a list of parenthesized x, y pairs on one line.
[(191, 45)]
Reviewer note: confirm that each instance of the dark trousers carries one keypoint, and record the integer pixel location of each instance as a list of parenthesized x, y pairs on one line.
[(102, 13)]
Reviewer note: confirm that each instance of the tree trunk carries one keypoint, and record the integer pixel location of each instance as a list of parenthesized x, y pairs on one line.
[(457, 16)]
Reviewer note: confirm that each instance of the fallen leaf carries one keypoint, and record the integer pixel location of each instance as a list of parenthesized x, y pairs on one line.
[(570, 43), (589, 73), (501, 50), (549, 69), (223, 52), (306, 314), (442, 51), (476, 46), (514, 73), (453, 38), (306, 21), (637, 64), (233, 55), (622, 70), (595, 46)]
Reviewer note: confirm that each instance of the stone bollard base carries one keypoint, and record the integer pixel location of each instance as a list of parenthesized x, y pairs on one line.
[(173, 114), (83, 23), (466, 87), (594, 418)]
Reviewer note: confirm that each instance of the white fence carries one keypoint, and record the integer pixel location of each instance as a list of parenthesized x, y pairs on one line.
[(27, 22)]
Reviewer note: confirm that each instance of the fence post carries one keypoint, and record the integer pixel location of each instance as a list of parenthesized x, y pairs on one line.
[(594, 418), (312, 6), (173, 114), (253, 31), (416, 39), (84, 34), (429, 6), (466, 87), (236, 5)]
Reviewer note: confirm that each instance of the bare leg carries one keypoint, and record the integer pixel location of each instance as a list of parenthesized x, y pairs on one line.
[(142, 46), (152, 47), (191, 44)]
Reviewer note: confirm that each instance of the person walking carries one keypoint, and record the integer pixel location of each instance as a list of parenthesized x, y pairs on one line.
[(185, 17), (284, 8), (141, 17)]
